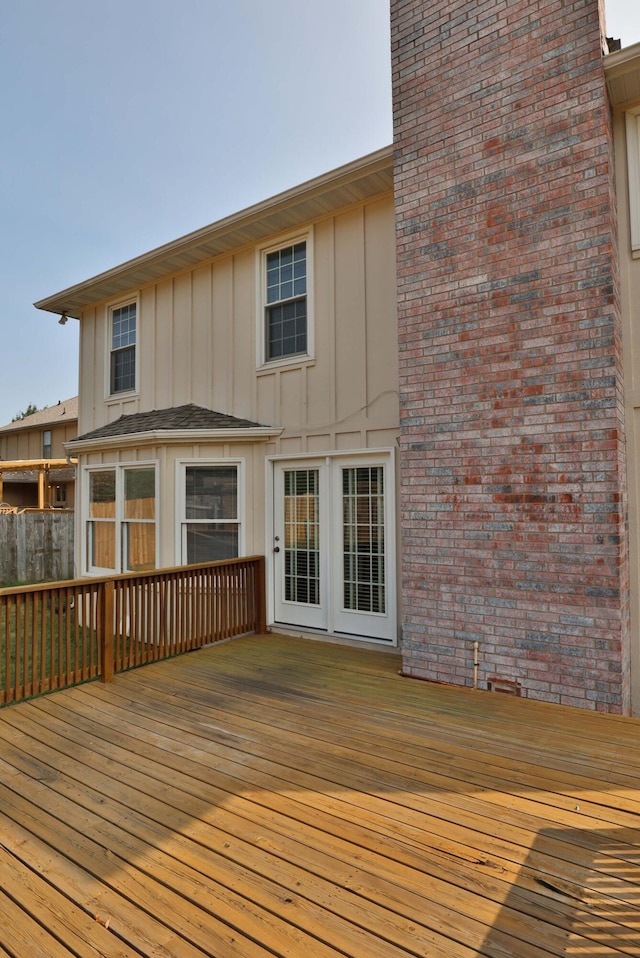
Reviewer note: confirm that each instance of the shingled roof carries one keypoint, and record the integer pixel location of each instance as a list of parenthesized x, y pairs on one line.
[(64, 411), (56, 474), (159, 420)]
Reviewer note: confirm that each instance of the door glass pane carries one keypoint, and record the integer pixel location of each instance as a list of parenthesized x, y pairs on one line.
[(363, 539), (301, 536)]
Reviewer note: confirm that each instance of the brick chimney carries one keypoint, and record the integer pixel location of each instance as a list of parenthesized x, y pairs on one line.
[(512, 447)]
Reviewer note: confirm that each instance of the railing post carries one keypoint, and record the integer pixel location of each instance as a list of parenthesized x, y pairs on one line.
[(261, 596), (105, 631)]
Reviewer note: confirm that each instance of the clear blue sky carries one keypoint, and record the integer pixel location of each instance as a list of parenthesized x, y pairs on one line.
[(127, 123)]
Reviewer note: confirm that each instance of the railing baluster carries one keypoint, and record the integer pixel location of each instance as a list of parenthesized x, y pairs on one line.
[(60, 634)]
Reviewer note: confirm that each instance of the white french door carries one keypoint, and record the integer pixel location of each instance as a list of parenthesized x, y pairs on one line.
[(333, 546), (299, 550)]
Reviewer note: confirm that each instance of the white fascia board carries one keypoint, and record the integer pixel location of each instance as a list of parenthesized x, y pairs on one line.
[(160, 437)]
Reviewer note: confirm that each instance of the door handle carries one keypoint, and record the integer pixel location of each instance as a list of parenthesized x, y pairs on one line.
[(276, 548)]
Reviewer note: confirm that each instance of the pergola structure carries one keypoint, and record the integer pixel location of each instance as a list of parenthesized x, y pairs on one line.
[(43, 468)]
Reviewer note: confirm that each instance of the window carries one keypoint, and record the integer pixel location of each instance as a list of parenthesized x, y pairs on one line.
[(121, 523), (210, 521), (284, 301), (60, 496), (123, 348), (46, 444)]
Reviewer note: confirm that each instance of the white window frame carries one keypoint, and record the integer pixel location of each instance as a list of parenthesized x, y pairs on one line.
[(632, 119), (111, 308), (120, 521), (181, 492), (262, 252), (47, 433)]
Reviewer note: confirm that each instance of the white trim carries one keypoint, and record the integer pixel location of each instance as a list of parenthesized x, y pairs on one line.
[(84, 518), (287, 239), (180, 494), (632, 119), (334, 454), (172, 436), (109, 396)]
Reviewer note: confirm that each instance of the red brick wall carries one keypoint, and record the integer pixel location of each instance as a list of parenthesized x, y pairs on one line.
[(512, 449)]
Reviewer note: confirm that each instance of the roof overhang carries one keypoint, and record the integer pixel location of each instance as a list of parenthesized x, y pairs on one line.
[(163, 437), (622, 72), (366, 177)]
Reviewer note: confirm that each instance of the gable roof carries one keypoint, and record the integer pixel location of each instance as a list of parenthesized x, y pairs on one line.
[(357, 181), (176, 422), (66, 410)]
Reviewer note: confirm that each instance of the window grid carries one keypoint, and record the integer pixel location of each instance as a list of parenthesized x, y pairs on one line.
[(123, 348), (302, 536), (363, 539), (286, 298)]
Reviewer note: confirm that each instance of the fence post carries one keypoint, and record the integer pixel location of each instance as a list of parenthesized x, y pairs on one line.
[(261, 596), (105, 630)]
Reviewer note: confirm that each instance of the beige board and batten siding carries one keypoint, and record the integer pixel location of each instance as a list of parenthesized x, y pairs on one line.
[(197, 343)]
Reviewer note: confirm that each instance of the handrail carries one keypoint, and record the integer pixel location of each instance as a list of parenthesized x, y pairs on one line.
[(53, 635)]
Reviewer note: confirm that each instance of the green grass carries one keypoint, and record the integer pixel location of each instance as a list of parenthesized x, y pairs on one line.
[(35, 660)]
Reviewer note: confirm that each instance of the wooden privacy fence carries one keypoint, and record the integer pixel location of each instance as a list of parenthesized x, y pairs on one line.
[(35, 546), (56, 635)]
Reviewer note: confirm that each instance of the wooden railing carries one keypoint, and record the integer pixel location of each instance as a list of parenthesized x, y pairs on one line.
[(63, 633)]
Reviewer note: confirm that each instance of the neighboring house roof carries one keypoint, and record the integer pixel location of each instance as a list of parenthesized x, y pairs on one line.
[(66, 410), (177, 419), (357, 181), (31, 475)]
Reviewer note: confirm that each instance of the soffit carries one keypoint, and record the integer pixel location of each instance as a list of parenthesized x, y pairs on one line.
[(622, 70), (358, 181)]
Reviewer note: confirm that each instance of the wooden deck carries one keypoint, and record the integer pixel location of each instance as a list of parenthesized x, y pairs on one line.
[(276, 796)]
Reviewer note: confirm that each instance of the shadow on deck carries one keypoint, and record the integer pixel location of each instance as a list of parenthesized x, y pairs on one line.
[(277, 796)]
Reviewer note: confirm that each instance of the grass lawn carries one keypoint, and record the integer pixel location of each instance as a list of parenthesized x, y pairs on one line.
[(42, 648)]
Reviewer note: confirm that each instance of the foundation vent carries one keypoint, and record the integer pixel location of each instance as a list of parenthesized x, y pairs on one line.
[(506, 686)]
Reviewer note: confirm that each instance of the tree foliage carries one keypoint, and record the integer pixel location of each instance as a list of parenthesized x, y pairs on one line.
[(29, 411)]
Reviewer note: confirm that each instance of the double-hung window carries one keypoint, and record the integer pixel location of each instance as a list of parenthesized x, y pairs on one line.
[(123, 348), (121, 522), (46, 444), (210, 522), (285, 301)]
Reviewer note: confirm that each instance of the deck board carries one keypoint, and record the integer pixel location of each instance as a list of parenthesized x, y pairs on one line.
[(281, 796)]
